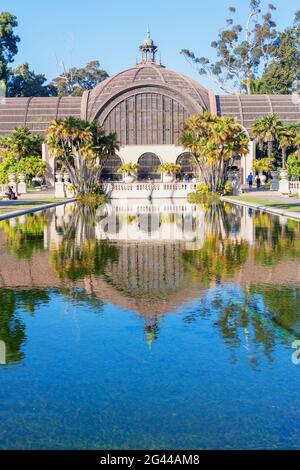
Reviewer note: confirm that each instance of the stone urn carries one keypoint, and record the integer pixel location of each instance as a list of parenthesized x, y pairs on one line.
[(129, 178), (70, 193), (168, 178), (263, 178), (12, 177), (66, 177), (59, 177), (22, 189), (284, 185)]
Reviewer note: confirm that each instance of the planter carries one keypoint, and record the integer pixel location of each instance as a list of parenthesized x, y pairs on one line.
[(263, 178), (37, 182), (274, 181), (59, 177), (129, 178), (22, 177), (168, 178), (70, 194), (284, 185), (12, 177)]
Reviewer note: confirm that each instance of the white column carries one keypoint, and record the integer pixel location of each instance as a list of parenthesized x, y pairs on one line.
[(50, 163), (22, 187), (247, 161), (284, 185)]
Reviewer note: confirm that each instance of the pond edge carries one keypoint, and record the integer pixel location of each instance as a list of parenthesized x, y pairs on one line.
[(271, 210), (31, 210)]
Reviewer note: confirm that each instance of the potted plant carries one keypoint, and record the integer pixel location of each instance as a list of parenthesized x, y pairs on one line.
[(128, 170), (169, 170), (70, 191), (263, 165)]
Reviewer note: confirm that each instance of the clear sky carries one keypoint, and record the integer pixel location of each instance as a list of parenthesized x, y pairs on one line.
[(77, 31)]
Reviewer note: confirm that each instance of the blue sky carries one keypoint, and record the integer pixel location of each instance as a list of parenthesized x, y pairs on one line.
[(111, 30)]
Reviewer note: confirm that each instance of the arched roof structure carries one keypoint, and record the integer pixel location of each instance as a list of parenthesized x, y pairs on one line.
[(146, 104)]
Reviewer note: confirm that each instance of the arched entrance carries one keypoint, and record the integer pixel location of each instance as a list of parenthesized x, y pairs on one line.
[(185, 160), (109, 172), (148, 167)]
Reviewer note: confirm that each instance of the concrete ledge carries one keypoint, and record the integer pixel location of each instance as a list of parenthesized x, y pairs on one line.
[(31, 210), (271, 210)]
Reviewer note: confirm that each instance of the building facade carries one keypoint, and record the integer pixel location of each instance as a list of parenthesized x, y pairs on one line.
[(146, 106)]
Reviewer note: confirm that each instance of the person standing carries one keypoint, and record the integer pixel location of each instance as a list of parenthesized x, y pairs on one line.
[(258, 182), (250, 180)]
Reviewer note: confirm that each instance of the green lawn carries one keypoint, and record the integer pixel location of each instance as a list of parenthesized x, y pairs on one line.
[(287, 206), (11, 206)]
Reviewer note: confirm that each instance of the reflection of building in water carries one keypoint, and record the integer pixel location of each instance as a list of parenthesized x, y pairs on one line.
[(2, 353), (148, 271), (161, 221)]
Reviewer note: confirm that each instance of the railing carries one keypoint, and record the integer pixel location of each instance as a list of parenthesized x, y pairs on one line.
[(146, 189), (294, 187)]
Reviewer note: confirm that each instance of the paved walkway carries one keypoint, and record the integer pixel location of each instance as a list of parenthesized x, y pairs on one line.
[(31, 198), (272, 196), (268, 201)]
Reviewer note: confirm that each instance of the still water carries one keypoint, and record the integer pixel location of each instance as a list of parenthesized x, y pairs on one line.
[(155, 326)]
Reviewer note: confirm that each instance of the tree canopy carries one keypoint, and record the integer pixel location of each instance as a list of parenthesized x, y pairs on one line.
[(21, 143), (24, 82), (284, 69), (215, 142), (8, 43), (83, 148), (76, 80), (240, 50)]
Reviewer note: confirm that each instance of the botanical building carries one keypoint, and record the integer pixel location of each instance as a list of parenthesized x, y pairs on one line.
[(146, 106)]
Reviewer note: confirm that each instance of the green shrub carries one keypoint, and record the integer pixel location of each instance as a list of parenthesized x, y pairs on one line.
[(30, 166), (91, 199), (293, 166), (203, 198), (169, 168), (228, 188), (202, 188), (8, 165), (128, 168)]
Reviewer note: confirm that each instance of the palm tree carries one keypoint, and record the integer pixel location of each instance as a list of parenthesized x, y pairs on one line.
[(297, 143), (286, 139), (215, 142), (83, 148), (265, 130)]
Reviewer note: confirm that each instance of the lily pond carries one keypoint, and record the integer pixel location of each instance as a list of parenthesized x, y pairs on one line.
[(144, 325)]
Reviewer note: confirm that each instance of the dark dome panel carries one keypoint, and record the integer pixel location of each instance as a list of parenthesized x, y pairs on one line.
[(35, 113), (192, 96), (147, 118)]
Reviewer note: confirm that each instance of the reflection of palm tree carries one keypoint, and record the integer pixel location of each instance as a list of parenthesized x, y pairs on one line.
[(273, 241), (151, 331), (25, 238), (79, 253), (12, 329)]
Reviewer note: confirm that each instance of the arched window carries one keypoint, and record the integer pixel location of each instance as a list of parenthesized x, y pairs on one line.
[(109, 172), (148, 165), (185, 160)]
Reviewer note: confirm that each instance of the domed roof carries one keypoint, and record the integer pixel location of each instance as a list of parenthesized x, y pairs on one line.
[(145, 77), (148, 42)]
